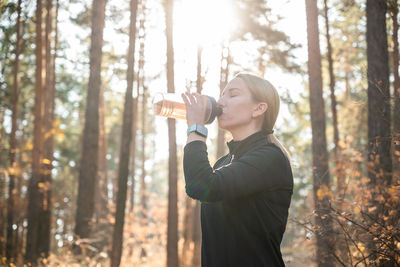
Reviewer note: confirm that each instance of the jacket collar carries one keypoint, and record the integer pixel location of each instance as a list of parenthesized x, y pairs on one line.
[(237, 148)]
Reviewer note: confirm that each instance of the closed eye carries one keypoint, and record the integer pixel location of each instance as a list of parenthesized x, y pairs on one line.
[(232, 92)]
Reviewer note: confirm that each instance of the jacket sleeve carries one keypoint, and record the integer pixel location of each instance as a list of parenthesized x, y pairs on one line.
[(262, 169)]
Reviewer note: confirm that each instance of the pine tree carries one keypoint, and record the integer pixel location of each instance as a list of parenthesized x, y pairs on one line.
[(321, 175), (90, 144), (172, 231), (394, 11), (125, 143), (36, 200), (379, 141), (10, 247)]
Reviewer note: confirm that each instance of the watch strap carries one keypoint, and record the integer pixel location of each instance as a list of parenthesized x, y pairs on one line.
[(197, 128)]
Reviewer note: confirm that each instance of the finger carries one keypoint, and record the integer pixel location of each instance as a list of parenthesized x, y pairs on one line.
[(194, 95), (185, 99), (201, 99), (188, 98), (191, 98)]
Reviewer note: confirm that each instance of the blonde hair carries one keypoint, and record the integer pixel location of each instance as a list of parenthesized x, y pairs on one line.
[(263, 91)]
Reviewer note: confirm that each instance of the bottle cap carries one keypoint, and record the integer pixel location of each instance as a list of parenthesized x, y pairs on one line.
[(215, 110)]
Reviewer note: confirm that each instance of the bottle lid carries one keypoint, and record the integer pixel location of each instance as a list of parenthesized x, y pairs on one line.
[(215, 110)]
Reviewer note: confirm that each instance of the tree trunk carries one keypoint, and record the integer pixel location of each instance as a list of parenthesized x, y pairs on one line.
[(143, 193), (101, 194), (196, 260), (346, 84), (140, 84), (90, 146), (49, 94), (199, 80), (379, 140), (321, 175), (123, 170), (133, 169), (133, 148), (35, 204), (378, 92), (143, 187), (396, 109), (20, 205), (10, 246), (396, 92), (142, 94), (338, 168), (103, 227), (187, 232), (223, 80), (3, 204), (340, 176), (172, 230)]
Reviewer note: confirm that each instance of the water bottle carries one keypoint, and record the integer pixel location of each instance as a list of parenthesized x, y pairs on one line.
[(172, 106)]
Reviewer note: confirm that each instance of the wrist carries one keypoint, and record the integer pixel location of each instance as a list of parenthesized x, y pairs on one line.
[(193, 136)]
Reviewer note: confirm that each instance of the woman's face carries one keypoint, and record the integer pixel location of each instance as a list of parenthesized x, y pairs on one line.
[(237, 104)]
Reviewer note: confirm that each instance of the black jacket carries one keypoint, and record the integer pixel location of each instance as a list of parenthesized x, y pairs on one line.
[(244, 198)]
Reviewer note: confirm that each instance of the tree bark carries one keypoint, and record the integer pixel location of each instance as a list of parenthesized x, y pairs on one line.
[(48, 116), (378, 92), (20, 205), (133, 148), (35, 204), (101, 208), (140, 84), (101, 194), (10, 245), (196, 260), (90, 146), (340, 177), (172, 230), (124, 158), (379, 139), (142, 91), (143, 190), (3, 201), (102, 226), (133, 168), (338, 168), (187, 232), (394, 11), (321, 175), (143, 187)]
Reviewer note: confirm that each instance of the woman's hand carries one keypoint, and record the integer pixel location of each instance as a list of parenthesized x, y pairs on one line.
[(196, 106)]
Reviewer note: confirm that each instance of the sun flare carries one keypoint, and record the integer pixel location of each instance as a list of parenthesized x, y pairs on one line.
[(203, 22)]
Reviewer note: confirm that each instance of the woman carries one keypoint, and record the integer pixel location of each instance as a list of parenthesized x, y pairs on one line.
[(246, 195)]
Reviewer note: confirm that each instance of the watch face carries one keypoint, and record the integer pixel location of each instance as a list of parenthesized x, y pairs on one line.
[(201, 130)]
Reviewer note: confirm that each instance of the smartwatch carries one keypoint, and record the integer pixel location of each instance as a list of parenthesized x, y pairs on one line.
[(199, 129)]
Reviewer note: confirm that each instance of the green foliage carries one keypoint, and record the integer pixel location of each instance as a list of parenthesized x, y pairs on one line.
[(7, 31), (83, 18), (258, 23)]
